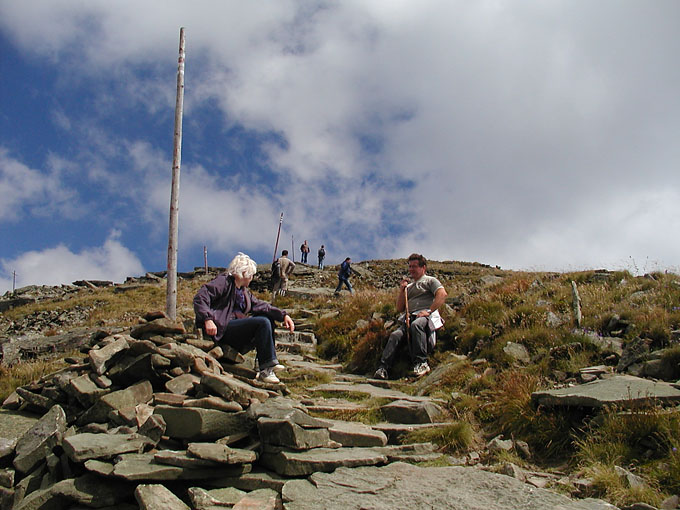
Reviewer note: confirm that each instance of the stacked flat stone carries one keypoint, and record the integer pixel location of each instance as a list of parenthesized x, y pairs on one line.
[(154, 417)]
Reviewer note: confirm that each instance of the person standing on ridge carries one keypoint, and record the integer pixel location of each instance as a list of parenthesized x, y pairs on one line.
[(321, 254), (419, 302), (304, 249), (286, 267), (343, 276)]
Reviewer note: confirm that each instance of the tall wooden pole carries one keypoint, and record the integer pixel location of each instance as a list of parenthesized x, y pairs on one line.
[(276, 246), (171, 295)]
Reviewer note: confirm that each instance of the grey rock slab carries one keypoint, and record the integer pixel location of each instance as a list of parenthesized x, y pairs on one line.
[(369, 390), (405, 411), (87, 490), (39, 440), (314, 367), (283, 408), (332, 405), (415, 452), (182, 384), (286, 433), (220, 453), (140, 467), (85, 390), (102, 359), (157, 497), (181, 459), (205, 499), (13, 424), (260, 499), (256, 479), (355, 434), (517, 352), (82, 447), (140, 393), (233, 389), (625, 390), (198, 424), (400, 485), (290, 463), (160, 326), (214, 402)]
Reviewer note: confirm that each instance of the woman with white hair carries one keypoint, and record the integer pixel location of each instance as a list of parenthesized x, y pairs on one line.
[(228, 312)]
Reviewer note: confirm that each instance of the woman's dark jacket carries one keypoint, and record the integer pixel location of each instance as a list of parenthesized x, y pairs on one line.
[(216, 300)]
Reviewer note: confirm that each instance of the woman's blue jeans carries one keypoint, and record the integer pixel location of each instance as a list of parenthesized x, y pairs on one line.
[(253, 332)]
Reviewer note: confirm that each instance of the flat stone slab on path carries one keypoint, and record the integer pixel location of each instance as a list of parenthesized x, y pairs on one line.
[(626, 390), (370, 390), (401, 485)]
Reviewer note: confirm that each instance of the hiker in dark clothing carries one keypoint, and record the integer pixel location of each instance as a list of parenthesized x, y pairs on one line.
[(321, 255), (343, 276)]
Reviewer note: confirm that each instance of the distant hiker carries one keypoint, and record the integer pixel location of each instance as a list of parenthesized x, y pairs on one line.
[(304, 249), (228, 312), (425, 295), (343, 276), (286, 267), (321, 254)]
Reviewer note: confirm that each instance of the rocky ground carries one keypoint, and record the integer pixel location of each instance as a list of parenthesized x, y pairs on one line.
[(154, 416)]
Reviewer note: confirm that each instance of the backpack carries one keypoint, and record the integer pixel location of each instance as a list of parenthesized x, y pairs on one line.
[(276, 270)]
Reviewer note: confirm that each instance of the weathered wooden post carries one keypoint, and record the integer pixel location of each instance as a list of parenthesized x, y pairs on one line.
[(576, 304), (171, 295), (276, 246), (205, 258)]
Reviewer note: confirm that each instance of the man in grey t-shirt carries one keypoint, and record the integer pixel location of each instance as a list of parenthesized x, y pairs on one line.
[(425, 295)]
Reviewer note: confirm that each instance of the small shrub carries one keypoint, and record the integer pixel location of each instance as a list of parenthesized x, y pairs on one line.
[(671, 360), (472, 336), (457, 437), (367, 349), (607, 484), (511, 412), (526, 316), (486, 313)]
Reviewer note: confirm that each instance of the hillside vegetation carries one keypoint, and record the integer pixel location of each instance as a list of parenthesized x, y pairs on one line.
[(487, 388)]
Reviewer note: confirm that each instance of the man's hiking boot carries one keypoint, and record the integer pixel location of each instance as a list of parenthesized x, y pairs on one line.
[(268, 376), (421, 369), (381, 373)]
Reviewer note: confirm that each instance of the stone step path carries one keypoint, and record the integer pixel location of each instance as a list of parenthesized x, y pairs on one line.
[(403, 414)]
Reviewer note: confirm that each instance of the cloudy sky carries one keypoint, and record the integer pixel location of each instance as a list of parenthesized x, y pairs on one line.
[(527, 134)]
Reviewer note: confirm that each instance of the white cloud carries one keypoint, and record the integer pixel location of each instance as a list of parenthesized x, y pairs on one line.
[(28, 191), (464, 130), (59, 265)]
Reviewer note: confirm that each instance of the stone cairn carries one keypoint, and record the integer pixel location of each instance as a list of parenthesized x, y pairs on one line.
[(155, 417)]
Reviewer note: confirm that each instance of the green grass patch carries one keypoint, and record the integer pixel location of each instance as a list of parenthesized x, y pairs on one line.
[(456, 437)]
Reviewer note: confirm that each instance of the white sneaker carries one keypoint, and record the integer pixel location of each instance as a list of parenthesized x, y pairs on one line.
[(267, 376), (278, 367), (421, 369)]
